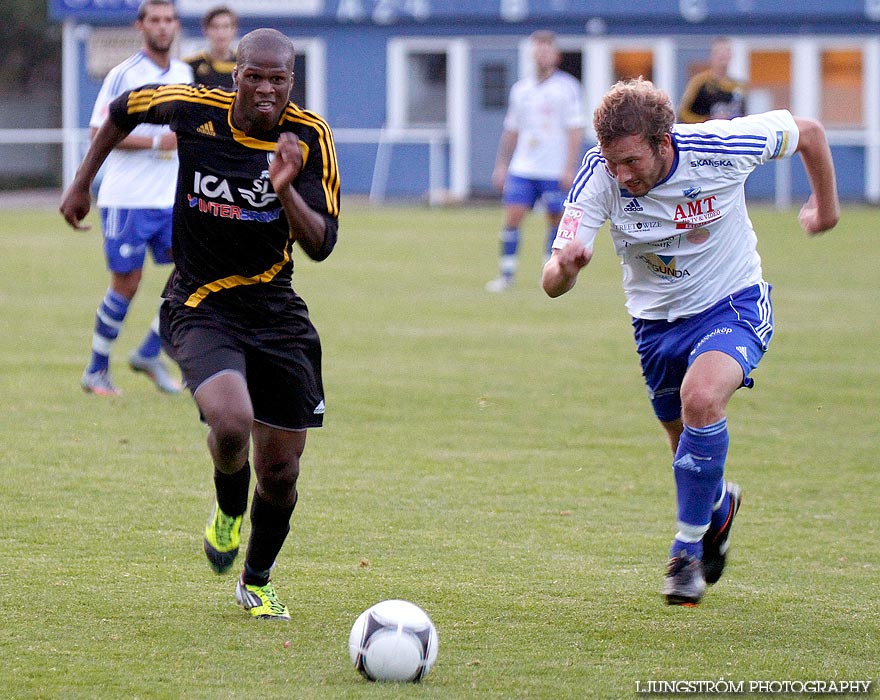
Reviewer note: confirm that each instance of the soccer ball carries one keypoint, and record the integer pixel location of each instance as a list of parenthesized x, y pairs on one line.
[(394, 640)]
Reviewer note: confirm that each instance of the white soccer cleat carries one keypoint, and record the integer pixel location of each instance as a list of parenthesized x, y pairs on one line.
[(498, 285), (156, 370)]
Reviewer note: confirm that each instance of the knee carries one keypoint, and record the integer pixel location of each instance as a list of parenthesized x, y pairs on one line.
[(278, 482), (126, 284), (700, 405), (231, 431)]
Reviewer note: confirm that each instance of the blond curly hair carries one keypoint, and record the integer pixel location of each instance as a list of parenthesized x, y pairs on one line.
[(634, 107)]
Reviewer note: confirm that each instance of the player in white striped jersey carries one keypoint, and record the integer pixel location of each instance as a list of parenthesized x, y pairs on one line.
[(538, 151), (674, 195), (136, 197)]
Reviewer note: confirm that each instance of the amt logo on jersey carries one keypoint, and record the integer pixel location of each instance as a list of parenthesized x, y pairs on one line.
[(698, 212)]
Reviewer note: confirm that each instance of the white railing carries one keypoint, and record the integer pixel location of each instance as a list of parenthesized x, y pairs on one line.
[(76, 140), (385, 140)]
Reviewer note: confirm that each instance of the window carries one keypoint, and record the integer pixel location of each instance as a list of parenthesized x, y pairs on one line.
[(770, 81), (573, 62), (309, 74), (841, 94), (632, 64), (299, 94), (493, 85), (426, 88)]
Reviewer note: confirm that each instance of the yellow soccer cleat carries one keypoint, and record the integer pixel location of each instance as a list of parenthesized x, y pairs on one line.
[(222, 539), (261, 601)]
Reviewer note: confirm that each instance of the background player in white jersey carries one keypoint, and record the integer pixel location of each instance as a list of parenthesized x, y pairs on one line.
[(539, 150), (693, 282), (135, 197)]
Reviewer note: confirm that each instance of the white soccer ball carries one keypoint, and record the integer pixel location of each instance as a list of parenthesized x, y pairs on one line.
[(394, 640)]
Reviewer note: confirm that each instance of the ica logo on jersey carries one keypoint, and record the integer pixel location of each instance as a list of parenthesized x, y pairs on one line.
[(258, 196)]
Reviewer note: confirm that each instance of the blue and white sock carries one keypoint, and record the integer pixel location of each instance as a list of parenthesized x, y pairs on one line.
[(152, 343), (108, 322), (699, 475), (551, 236), (509, 239)]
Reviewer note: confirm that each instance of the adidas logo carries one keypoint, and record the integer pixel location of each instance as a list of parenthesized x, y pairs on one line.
[(319, 409), (633, 206), (686, 462), (207, 129), (744, 351)]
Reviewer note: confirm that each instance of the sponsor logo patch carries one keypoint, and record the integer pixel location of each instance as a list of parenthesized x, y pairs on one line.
[(711, 163), (571, 221)]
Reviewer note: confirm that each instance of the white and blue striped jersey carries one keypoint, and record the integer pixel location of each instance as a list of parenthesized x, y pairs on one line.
[(138, 179), (688, 242), (542, 113)]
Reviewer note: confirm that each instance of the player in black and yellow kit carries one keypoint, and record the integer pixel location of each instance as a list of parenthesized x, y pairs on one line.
[(257, 174), (712, 93), (213, 67)]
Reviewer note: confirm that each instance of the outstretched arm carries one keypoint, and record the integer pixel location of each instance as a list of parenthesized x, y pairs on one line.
[(76, 201), (561, 271), (822, 210)]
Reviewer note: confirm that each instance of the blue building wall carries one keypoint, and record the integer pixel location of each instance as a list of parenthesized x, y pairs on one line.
[(356, 56)]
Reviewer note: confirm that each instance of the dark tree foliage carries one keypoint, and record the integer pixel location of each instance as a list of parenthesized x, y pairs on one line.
[(30, 46)]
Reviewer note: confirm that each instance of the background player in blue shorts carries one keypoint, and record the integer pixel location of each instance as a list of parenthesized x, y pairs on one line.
[(135, 198), (538, 151), (692, 278)]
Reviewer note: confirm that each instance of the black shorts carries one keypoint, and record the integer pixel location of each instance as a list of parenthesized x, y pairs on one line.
[(279, 358)]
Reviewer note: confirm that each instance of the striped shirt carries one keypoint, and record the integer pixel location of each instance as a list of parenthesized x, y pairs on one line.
[(232, 243), (688, 242), (141, 178)]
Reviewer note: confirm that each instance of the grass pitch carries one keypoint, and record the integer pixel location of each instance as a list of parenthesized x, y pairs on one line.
[(493, 459)]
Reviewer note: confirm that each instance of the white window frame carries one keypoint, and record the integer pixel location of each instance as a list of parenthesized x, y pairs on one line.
[(315, 52), (457, 125), (598, 71)]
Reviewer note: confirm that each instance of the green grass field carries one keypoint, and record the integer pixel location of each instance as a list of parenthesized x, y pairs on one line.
[(493, 459)]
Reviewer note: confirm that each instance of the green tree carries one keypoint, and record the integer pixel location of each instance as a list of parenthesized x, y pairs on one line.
[(30, 46)]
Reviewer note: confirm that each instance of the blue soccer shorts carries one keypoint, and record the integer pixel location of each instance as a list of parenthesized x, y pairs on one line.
[(129, 232), (526, 192), (740, 325)]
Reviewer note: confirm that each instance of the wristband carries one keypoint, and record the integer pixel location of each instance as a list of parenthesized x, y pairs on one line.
[(157, 141)]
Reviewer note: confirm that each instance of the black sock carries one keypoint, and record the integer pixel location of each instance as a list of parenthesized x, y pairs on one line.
[(232, 490), (269, 527)]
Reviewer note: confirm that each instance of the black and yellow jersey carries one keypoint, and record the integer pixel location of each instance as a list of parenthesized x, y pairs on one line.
[(706, 98), (209, 72), (232, 244)]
